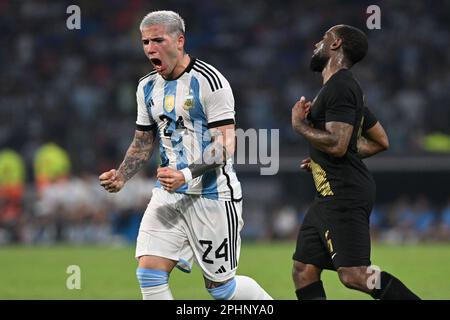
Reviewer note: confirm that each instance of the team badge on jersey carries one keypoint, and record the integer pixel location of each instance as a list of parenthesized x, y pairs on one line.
[(169, 103), (188, 103)]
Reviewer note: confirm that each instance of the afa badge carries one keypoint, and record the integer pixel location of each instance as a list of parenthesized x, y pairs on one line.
[(169, 103), (188, 103)]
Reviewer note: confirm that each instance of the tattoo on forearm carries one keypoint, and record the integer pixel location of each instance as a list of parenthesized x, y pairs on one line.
[(319, 138), (338, 133), (367, 148), (138, 153)]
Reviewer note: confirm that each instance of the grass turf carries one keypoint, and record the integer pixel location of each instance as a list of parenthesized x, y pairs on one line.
[(109, 272)]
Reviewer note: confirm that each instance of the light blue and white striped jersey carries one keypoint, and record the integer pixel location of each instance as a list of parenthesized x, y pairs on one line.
[(183, 110)]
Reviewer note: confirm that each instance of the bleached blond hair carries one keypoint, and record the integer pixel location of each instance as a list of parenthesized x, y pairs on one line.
[(173, 22)]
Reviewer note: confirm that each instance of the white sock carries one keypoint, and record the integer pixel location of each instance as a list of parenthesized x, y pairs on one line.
[(161, 292), (249, 289)]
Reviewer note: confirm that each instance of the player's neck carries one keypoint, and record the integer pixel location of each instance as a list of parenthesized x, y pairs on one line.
[(334, 64), (182, 64)]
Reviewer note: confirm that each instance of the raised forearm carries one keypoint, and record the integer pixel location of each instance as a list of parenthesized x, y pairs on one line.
[(213, 158), (137, 154), (320, 139), (221, 148)]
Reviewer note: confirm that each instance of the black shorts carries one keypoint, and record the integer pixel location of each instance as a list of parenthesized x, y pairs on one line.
[(335, 234)]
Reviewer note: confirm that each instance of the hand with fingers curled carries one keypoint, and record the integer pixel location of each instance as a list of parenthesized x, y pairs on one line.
[(300, 111), (112, 181), (170, 179), (306, 164)]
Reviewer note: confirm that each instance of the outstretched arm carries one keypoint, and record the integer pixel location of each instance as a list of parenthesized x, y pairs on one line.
[(140, 150), (373, 141)]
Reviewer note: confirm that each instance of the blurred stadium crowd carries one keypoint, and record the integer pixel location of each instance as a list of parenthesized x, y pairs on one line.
[(79, 211), (76, 88)]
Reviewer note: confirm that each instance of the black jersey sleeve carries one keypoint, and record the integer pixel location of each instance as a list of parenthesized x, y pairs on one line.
[(340, 103), (369, 119)]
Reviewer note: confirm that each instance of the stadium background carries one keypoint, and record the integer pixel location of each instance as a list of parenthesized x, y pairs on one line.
[(67, 113)]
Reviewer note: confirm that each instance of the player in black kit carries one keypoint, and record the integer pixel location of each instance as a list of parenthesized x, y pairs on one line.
[(340, 130)]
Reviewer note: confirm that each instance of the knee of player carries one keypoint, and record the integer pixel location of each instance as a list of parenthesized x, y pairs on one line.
[(350, 277), (221, 290), (298, 269), (304, 272)]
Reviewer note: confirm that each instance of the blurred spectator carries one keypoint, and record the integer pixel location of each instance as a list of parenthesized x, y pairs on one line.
[(12, 187), (444, 226), (285, 223), (425, 219), (411, 222), (51, 165), (399, 220), (78, 211), (377, 222)]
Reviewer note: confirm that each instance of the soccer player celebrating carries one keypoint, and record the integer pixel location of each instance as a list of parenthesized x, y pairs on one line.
[(335, 232), (195, 210)]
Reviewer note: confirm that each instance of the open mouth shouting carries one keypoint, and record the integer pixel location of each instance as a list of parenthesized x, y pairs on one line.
[(157, 64)]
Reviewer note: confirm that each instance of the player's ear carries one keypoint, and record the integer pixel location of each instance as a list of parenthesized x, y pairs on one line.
[(180, 41), (337, 43)]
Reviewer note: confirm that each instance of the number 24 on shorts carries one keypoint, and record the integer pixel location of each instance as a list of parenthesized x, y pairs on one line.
[(220, 252)]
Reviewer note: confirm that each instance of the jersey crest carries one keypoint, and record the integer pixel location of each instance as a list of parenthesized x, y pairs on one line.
[(169, 103)]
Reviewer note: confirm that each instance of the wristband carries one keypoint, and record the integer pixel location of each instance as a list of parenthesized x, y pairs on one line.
[(187, 174)]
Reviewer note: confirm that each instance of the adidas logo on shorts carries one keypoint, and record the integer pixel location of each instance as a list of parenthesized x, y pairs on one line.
[(221, 270)]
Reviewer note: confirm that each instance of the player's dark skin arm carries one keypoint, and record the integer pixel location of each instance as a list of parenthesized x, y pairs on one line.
[(373, 141), (139, 151), (333, 140)]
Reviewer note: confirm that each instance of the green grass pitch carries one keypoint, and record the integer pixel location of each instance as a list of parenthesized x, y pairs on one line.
[(109, 272)]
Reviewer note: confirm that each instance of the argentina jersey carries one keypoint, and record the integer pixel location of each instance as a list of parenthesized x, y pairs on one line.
[(182, 110)]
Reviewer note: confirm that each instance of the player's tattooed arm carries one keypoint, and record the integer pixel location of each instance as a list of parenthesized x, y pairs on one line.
[(214, 157), (220, 149), (217, 153), (140, 150), (373, 141)]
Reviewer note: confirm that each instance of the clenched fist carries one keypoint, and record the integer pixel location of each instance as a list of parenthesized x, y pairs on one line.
[(112, 181), (170, 179)]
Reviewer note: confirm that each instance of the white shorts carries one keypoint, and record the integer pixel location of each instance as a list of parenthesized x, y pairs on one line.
[(188, 228)]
